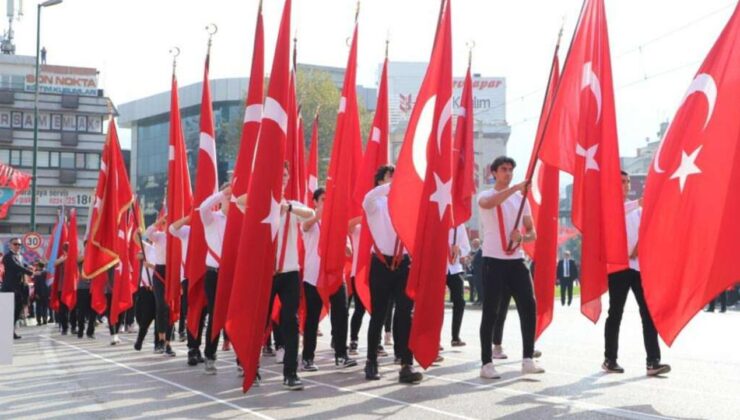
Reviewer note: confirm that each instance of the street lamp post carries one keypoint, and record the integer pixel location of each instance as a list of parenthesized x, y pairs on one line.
[(47, 3)]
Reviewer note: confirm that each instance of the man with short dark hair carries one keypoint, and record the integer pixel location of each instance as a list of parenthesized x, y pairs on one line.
[(620, 284), (15, 269), (567, 274), (503, 264)]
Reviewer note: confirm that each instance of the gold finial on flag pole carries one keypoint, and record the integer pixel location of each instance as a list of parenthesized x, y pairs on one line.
[(211, 28), (174, 52)]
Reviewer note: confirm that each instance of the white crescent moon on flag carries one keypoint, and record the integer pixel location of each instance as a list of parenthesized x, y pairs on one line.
[(702, 83), (536, 192), (421, 137), (443, 120), (589, 79)]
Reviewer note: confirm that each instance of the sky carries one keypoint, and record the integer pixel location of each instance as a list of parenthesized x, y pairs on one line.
[(656, 46)]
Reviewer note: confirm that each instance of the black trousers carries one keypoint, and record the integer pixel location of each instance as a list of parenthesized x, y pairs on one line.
[(339, 316), (42, 310), (722, 298), (18, 306), (287, 286), (388, 323), (210, 284), (357, 314), (112, 328), (85, 313), (566, 287), (182, 327), (62, 314), (455, 284), (387, 286), (499, 275), (503, 311), (620, 284), (311, 325), (162, 321), (478, 282), (146, 309)]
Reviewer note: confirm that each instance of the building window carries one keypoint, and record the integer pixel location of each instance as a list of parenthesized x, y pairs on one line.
[(93, 161), (5, 155), (15, 158), (80, 161), (67, 160), (43, 159), (54, 159)]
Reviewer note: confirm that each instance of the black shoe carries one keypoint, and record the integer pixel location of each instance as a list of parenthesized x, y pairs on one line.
[(79, 335), (169, 352), (74, 331), (192, 358), (353, 347), (183, 337), (257, 379), (344, 362), (408, 375), (396, 360), (293, 383), (199, 357), (309, 366), (268, 351), (458, 343), (723, 310), (655, 369), (332, 343), (611, 366), (382, 352), (158, 348), (16, 336), (137, 345), (371, 371), (91, 336), (64, 332)]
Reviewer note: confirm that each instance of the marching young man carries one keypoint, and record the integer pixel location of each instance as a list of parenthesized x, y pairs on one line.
[(459, 249), (620, 284), (286, 281), (503, 266), (156, 234), (389, 270), (339, 315)]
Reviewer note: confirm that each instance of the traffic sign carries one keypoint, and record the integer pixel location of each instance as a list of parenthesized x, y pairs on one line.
[(32, 241)]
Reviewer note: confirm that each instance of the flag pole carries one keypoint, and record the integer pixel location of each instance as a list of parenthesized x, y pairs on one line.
[(538, 144)]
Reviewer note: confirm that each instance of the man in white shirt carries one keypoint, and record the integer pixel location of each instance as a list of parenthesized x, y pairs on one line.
[(286, 283), (181, 230), (145, 303), (311, 268), (620, 284), (459, 248), (389, 270), (213, 211), (503, 265), (158, 237), (355, 226)]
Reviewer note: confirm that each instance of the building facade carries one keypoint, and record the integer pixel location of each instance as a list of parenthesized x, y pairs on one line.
[(72, 116)]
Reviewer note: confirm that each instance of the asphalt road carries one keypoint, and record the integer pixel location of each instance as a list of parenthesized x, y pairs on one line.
[(56, 376)]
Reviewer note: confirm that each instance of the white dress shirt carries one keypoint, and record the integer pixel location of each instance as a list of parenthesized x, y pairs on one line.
[(214, 223), (159, 240), (148, 274), (455, 267), (312, 261), (290, 262), (375, 205), (492, 246), (183, 234), (632, 216), (355, 238)]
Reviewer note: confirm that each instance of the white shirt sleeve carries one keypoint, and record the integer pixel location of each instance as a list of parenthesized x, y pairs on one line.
[(299, 205), (463, 241), (206, 214), (181, 233), (368, 203)]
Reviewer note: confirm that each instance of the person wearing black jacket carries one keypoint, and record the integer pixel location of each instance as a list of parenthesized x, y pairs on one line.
[(41, 291), (567, 274), (15, 269)]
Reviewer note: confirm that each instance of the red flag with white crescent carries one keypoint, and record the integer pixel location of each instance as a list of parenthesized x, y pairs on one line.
[(690, 231), (463, 159), (71, 270)]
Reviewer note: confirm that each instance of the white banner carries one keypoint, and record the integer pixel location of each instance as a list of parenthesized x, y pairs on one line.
[(57, 196)]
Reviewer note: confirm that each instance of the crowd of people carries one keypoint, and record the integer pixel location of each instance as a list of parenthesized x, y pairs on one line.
[(496, 272)]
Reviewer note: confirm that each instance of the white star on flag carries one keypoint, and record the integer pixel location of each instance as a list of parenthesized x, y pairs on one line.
[(273, 219), (590, 155), (687, 167), (443, 195)]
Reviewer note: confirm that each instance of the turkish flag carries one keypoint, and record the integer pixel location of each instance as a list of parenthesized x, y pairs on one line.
[(463, 160), (122, 293), (581, 139), (71, 271), (376, 155), (426, 158), (690, 231), (14, 180), (206, 184), (247, 314), (178, 204), (240, 180), (312, 166), (60, 237), (340, 204), (544, 200), (103, 251), (292, 145)]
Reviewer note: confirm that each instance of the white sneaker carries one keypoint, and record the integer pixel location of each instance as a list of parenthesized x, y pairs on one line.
[(530, 366), (537, 354), (115, 340), (210, 367), (240, 371), (388, 341), (498, 353), (279, 355), (488, 371)]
